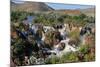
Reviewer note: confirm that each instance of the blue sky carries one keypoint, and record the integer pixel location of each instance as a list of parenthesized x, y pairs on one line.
[(58, 6)]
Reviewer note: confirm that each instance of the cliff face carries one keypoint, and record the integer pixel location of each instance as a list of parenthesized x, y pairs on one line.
[(30, 6)]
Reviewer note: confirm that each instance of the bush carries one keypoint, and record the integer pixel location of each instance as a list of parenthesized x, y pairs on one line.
[(88, 53), (70, 57), (84, 49), (74, 37)]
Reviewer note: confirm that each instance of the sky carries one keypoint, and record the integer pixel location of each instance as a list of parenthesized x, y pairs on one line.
[(58, 6)]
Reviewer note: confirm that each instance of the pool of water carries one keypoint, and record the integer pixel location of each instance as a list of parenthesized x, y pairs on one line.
[(30, 18)]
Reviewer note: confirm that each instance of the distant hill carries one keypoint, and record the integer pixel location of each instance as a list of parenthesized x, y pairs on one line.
[(69, 12), (89, 11), (30, 6)]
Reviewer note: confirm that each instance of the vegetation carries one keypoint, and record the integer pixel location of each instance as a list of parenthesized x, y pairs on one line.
[(52, 18), (85, 54), (27, 41)]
